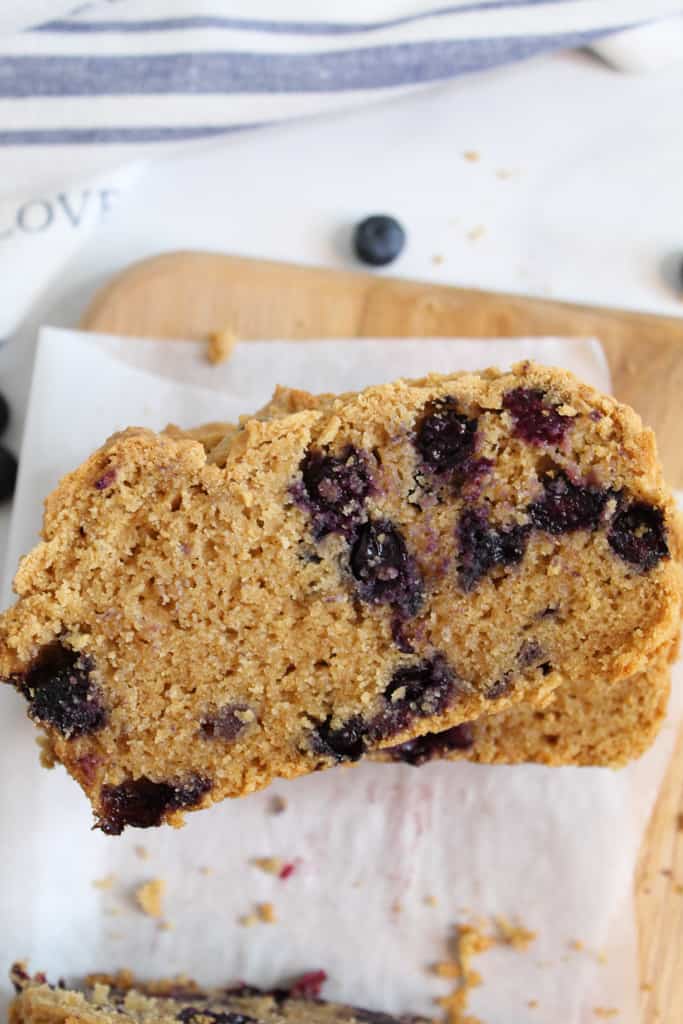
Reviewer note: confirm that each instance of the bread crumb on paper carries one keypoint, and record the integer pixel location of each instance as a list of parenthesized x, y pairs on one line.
[(205, 870), (469, 941), (472, 156), (515, 935), (277, 805), (149, 897), (271, 865), (221, 346), (431, 901), (266, 913), (263, 913), (142, 852), (478, 231), (104, 883), (532, 1004), (605, 1012)]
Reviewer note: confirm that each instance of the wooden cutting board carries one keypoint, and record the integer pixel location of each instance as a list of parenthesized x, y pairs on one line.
[(191, 294)]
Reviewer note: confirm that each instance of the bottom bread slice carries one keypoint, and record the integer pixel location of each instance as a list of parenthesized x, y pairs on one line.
[(119, 999), (589, 723)]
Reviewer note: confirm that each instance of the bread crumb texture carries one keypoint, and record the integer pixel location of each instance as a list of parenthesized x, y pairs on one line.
[(149, 897)]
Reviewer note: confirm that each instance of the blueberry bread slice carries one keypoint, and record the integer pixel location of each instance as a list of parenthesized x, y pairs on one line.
[(336, 580), (585, 723), (119, 999)]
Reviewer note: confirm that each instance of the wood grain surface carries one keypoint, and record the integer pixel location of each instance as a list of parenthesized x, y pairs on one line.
[(192, 294)]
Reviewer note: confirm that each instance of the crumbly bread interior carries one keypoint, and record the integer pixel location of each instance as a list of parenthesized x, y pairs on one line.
[(119, 998)]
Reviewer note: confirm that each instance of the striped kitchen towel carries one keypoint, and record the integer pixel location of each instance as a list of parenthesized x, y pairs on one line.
[(86, 91)]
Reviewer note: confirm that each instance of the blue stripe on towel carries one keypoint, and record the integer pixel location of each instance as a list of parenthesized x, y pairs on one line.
[(256, 73), (308, 28)]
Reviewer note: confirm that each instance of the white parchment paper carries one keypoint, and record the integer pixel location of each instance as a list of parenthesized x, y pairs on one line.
[(552, 848)]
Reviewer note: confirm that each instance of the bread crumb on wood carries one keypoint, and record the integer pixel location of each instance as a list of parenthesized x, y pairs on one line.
[(104, 883), (605, 1012), (221, 346), (149, 897)]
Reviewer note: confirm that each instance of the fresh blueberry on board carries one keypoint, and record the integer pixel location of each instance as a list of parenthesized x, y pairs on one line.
[(8, 473), (4, 413), (378, 240)]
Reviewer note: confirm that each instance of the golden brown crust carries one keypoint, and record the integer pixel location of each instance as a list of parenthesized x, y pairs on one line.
[(197, 589)]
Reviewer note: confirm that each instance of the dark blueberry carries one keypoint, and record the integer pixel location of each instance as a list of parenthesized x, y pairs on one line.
[(4, 414), (500, 687), (566, 507), (530, 653), (534, 421), (481, 546), (638, 535), (106, 480), (143, 803), (376, 1017), (309, 985), (398, 635), (8, 473), (334, 490), (226, 724), (346, 743), (384, 571), (420, 691), (61, 693), (199, 1014), (434, 745), (474, 470), (378, 240), (444, 437)]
